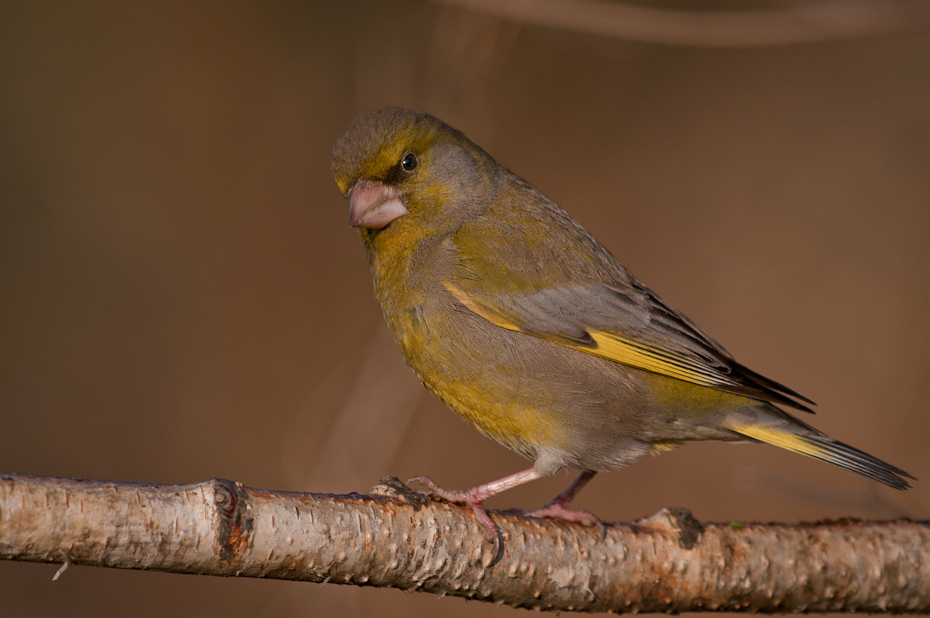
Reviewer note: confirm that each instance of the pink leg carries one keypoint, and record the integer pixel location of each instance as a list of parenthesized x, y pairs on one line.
[(475, 497), (555, 508)]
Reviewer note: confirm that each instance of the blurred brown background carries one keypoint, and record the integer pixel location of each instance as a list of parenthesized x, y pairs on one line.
[(181, 297)]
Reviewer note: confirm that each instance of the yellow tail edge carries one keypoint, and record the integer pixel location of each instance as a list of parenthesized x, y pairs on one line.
[(829, 450), (780, 438)]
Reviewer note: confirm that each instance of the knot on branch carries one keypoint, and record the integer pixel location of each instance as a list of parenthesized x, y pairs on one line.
[(392, 487), (234, 521), (677, 521)]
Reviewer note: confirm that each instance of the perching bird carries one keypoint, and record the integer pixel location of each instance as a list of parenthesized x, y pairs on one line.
[(527, 327)]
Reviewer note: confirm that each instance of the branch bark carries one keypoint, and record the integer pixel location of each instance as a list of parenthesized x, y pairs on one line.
[(398, 538)]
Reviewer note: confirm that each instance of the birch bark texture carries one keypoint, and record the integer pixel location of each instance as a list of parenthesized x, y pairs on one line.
[(395, 537)]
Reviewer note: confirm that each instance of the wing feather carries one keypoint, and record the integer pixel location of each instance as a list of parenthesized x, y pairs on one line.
[(574, 292), (647, 334)]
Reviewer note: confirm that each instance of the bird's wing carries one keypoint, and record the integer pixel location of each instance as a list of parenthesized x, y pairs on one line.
[(599, 310)]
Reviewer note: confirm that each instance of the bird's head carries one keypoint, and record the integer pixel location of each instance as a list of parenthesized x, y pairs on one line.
[(400, 165)]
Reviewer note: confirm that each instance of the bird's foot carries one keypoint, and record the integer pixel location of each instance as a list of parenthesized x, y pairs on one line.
[(557, 510), (472, 498)]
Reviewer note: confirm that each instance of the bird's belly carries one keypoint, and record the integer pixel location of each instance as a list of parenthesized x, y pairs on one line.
[(543, 400), (484, 385)]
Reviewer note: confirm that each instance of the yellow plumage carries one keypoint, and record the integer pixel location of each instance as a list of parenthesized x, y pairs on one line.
[(530, 329)]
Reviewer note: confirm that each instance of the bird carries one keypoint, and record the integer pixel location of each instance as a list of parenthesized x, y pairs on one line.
[(528, 328)]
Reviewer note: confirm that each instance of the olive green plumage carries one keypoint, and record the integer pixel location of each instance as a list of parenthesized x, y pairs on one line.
[(527, 327)]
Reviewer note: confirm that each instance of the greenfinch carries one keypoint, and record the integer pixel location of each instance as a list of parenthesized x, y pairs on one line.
[(527, 327)]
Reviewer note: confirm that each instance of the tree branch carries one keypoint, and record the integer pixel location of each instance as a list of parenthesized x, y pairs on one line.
[(762, 24), (396, 537)]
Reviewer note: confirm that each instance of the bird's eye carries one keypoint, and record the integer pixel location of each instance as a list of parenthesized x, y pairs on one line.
[(410, 162)]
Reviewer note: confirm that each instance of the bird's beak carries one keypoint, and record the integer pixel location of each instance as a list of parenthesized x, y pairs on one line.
[(373, 204)]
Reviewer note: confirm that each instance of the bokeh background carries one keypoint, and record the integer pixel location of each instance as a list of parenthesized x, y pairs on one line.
[(181, 297)]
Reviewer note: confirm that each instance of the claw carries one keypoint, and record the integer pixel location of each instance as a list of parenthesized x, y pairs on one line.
[(472, 498)]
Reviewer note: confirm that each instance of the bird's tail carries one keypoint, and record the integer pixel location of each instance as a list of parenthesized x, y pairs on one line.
[(822, 447)]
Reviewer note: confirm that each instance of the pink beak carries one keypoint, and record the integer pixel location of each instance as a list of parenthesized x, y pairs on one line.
[(373, 204)]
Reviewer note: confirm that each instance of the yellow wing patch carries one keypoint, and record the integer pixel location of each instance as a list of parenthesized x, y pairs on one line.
[(484, 311), (642, 356), (611, 346)]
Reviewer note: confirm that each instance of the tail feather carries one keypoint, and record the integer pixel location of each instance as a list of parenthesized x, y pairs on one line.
[(829, 450)]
